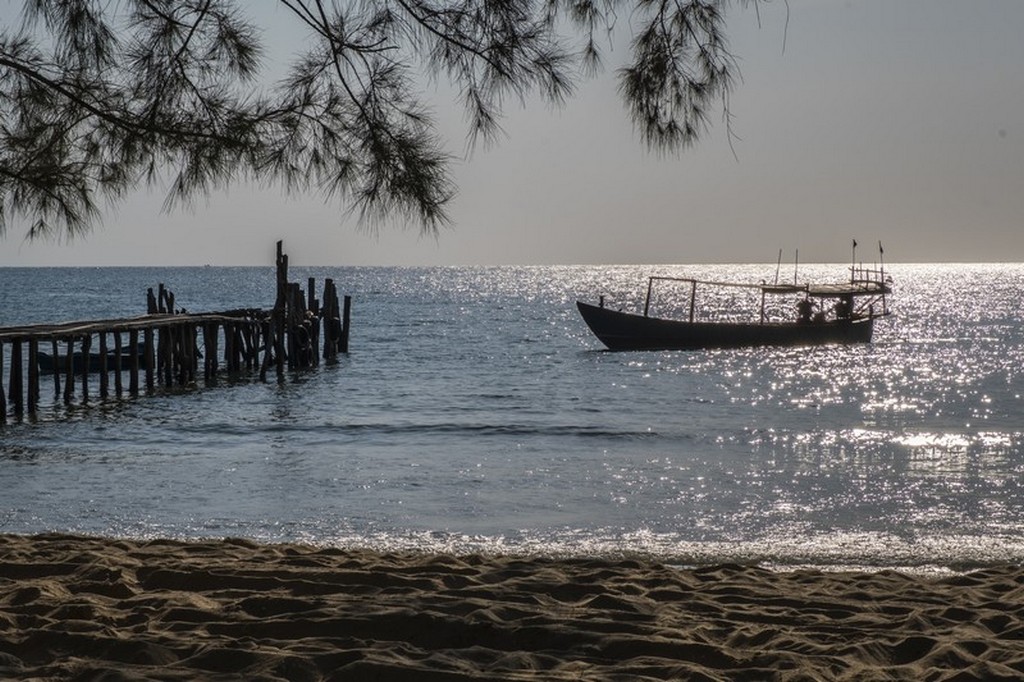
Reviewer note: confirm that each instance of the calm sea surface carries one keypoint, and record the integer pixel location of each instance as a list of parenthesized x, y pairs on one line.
[(477, 413)]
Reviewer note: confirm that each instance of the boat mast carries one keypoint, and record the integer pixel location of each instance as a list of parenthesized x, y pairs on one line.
[(881, 274), (693, 298)]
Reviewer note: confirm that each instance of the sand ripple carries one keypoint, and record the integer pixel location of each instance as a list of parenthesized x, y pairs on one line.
[(78, 608)]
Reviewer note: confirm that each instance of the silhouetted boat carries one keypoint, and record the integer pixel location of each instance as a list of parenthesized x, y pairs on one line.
[(857, 304), (48, 364)]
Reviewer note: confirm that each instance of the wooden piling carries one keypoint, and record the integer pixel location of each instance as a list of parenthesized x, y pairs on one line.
[(69, 371), (231, 353), (248, 337), (118, 351), (279, 318), (267, 341), (243, 341), (148, 357), (86, 346), (104, 369), (343, 347), (191, 337), (3, 399), (209, 333), (14, 386), (14, 393), (133, 380), (33, 375), (164, 350), (174, 356), (332, 323), (179, 357), (56, 369)]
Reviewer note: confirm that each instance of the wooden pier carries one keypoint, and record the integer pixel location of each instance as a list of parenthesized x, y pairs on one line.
[(97, 359)]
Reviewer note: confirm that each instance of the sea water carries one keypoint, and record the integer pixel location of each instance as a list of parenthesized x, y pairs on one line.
[(476, 412)]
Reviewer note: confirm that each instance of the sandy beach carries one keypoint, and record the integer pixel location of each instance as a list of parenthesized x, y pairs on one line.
[(83, 608)]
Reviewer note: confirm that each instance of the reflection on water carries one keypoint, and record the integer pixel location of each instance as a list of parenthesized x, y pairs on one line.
[(476, 412)]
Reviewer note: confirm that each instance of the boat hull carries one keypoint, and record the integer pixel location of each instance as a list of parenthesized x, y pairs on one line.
[(627, 331)]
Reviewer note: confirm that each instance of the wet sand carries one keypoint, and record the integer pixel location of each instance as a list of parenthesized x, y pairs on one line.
[(81, 608)]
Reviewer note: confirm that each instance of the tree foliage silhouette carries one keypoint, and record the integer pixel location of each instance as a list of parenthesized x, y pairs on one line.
[(99, 98)]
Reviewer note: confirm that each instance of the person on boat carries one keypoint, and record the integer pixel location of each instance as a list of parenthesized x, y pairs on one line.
[(844, 308), (804, 310)]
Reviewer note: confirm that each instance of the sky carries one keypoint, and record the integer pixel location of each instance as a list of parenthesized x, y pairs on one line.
[(893, 120)]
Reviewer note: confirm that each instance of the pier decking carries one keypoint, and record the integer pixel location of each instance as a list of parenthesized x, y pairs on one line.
[(98, 359)]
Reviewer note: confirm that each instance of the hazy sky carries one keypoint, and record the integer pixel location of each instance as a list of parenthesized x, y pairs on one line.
[(899, 120)]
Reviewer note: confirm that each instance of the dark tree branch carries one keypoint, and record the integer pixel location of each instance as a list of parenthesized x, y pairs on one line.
[(87, 111)]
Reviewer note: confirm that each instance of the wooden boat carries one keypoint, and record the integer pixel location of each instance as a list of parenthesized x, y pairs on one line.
[(48, 364), (846, 313)]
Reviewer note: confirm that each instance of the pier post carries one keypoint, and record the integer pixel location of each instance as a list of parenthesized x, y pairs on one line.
[(69, 371), (117, 364), (244, 346), (289, 325), (230, 352), (104, 370), (3, 398), (175, 356), (193, 357), (344, 324), (133, 380), (279, 317), (148, 353), (243, 336), (193, 354), (333, 328), (238, 345), (86, 346), (208, 358), (279, 343), (15, 392), (251, 343), (33, 375), (160, 341), (265, 342), (214, 340), (56, 369), (314, 323)]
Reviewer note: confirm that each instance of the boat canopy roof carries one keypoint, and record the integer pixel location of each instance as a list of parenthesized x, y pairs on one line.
[(863, 288), (838, 290), (859, 287)]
